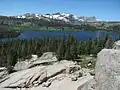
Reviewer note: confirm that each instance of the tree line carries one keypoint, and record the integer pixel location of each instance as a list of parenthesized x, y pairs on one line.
[(9, 34), (66, 48)]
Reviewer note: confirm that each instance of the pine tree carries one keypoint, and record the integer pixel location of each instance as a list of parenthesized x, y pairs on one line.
[(61, 50), (109, 43)]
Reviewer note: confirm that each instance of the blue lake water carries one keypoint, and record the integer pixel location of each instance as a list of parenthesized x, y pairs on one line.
[(82, 35)]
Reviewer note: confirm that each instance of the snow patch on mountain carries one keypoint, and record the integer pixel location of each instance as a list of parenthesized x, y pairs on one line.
[(59, 16)]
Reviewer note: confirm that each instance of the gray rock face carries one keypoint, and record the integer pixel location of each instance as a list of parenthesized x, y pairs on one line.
[(107, 70), (116, 45), (36, 75), (46, 58), (21, 65), (3, 72), (47, 77), (46, 84), (89, 85), (46, 73)]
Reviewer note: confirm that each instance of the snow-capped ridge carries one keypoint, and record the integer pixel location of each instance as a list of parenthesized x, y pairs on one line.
[(59, 16)]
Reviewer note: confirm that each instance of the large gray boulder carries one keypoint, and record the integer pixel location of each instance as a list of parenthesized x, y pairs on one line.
[(21, 65), (107, 70), (48, 55), (46, 58)]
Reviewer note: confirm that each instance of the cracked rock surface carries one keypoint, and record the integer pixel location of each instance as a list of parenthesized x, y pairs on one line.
[(52, 75)]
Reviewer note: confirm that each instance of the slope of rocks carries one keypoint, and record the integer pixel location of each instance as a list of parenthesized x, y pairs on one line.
[(46, 73)]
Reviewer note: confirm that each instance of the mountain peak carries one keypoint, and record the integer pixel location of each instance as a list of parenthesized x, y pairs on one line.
[(59, 16)]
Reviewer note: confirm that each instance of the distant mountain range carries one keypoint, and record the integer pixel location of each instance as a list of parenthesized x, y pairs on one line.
[(58, 20), (70, 18)]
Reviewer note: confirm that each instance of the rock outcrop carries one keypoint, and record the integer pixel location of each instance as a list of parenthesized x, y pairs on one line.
[(116, 45), (36, 75), (46, 73), (107, 70), (3, 72), (46, 58), (42, 76)]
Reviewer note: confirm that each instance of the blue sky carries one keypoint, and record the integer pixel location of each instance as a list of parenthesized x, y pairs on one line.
[(102, 9)]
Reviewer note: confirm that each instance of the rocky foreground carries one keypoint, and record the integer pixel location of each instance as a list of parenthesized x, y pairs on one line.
[(47, 73)]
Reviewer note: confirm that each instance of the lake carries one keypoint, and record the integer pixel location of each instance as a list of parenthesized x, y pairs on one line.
[(82, 35)]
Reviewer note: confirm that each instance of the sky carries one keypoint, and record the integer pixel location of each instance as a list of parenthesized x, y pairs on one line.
[(102, 9)]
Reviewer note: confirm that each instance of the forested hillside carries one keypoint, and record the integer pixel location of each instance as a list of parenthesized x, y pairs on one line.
[(65, 48)]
